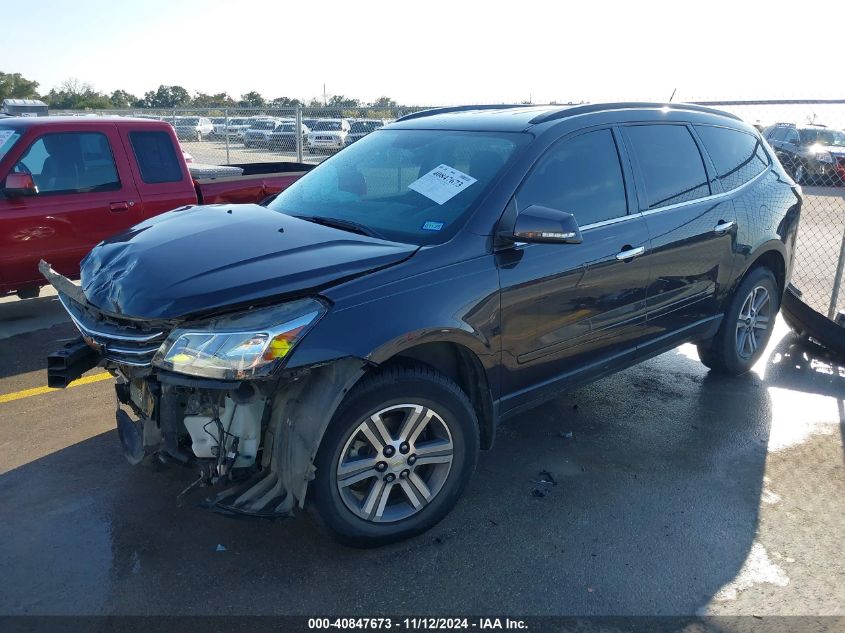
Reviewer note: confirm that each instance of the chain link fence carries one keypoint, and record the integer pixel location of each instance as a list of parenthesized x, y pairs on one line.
[(806, 135), (221, 136)]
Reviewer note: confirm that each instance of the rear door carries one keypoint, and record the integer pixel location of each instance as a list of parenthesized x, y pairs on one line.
[(159, 169), (566, 309), (692, 230), (86, 193)]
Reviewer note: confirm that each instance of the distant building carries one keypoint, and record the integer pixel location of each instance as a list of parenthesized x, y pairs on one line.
[(24, 107)]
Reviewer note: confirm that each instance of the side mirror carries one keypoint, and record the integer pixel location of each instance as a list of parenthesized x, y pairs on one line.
[(19, 185), (545, 225)]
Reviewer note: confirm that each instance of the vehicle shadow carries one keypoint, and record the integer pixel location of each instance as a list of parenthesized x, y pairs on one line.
[(800, 365), (29, 330), (657, 471)]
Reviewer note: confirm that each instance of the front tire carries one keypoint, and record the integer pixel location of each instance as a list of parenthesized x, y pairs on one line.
[(747, 326), (396, 456)]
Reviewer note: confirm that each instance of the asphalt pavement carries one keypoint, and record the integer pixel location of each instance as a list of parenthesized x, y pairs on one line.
[(675, 492)]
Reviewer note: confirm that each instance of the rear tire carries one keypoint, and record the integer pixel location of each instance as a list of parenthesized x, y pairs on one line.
[(747, 325), (400, 488)]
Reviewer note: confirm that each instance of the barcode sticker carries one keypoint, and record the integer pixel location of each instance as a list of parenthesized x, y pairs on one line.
[(442, 183)]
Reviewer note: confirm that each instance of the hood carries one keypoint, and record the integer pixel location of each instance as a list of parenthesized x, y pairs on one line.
[(834, 150), (203, 258)]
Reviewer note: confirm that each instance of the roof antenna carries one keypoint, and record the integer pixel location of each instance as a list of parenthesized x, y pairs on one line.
[(673, 95)]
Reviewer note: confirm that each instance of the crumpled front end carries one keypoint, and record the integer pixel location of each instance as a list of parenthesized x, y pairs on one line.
[(252, 440)]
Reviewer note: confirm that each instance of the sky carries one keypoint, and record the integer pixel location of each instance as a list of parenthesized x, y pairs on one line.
[(432, 53)]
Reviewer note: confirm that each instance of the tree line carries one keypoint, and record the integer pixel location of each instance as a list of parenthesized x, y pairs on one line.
[(73, 94)]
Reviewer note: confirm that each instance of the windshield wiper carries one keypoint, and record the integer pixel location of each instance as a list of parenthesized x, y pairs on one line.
[(344, 225)]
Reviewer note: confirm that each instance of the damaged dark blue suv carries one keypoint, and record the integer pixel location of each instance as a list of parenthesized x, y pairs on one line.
[(355, 343)]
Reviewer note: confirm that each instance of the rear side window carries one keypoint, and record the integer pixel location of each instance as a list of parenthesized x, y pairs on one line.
[(581, 176), (738, 156), (156, 157), (70, 162), (778, 134), (670, 162)]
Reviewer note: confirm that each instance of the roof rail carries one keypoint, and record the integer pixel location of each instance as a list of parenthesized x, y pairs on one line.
[(566, 112), (464, 108)]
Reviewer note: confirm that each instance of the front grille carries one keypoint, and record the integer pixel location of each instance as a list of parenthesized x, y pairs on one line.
[(325, 138), (121, 341)]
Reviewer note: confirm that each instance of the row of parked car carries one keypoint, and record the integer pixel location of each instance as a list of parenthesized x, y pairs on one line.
[(813, 154), (318, 135)]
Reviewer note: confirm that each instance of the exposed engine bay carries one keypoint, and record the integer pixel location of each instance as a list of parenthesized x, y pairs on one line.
[(252, 438)]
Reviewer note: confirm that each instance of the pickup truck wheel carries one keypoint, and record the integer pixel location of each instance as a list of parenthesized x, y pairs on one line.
[(199, 135), (746, 327), (396, 456)]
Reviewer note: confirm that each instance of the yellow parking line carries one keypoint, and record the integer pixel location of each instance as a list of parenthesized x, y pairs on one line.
[(37, 391)]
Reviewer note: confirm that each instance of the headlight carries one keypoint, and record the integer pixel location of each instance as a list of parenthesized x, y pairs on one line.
[(235, 347), (824, 157)]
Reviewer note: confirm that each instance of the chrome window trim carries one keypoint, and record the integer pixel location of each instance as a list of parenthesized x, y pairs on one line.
[(670, 207)]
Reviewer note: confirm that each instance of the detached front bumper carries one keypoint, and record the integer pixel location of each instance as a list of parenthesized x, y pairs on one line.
[(253, 440)]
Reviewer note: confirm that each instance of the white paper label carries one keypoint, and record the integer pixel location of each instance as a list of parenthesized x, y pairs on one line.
[(4, 136), (442, 183)]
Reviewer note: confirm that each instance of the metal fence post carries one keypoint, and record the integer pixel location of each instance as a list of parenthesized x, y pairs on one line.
[(226, 134), (837, 281), (298, 134)]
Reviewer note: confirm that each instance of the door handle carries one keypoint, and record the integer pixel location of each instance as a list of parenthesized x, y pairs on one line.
[(630, 253), (120, 206), (723, 227)]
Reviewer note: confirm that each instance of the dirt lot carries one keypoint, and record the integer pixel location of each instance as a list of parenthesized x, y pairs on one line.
[(677, 492)]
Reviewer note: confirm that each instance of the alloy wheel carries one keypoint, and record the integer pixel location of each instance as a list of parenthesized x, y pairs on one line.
[(753, 321), (395, 463)]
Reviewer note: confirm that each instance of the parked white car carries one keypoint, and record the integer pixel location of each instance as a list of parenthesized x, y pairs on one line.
[(192, 128), (258, 134), (328, 135), (235, 128)]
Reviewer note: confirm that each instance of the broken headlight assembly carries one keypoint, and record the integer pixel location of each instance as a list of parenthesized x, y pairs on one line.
[(250, 344)]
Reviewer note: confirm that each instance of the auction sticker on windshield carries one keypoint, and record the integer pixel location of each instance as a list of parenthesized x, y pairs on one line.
[(442, 183), (4, 136)]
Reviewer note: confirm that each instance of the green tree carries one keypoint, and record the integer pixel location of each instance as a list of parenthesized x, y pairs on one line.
[(220, 100), (251, 100), (339, 101), (73, 94), (166, 97), (285, 102), (122, 99), (14, 86), (384, 102)]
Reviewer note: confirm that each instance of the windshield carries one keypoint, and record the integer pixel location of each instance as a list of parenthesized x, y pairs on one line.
[(8, 138), (413, 186), (365, 126), (287, 127), (264, 125), (187, 121), (326, 126), (238, 121), (823, 137)]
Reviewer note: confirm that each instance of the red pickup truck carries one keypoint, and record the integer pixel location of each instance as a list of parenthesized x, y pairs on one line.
[(67, 183)]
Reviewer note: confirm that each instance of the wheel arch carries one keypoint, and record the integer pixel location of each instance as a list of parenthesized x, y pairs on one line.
[(462, 365), (772, 256)]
